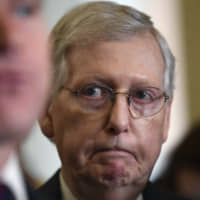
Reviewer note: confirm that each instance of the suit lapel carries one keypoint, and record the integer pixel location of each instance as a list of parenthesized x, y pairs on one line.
[(51, 190)]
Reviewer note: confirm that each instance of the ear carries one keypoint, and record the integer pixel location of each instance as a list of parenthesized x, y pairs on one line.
[(46, 124), (167, 120)]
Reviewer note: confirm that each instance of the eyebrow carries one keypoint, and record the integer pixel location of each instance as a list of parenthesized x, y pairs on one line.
[(111, 82)]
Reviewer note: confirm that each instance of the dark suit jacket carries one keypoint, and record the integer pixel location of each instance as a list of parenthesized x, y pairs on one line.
[(51, 191), (31, 194)]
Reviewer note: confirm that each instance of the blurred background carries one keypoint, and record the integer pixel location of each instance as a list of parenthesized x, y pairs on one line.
[(178, 21)]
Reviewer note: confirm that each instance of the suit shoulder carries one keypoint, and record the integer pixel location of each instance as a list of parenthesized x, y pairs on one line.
[(51, 189), (155, 192)]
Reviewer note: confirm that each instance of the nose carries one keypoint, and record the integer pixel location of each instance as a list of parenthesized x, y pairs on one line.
[(119, 116)]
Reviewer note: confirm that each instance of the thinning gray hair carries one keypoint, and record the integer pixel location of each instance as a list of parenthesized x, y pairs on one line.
[(102, 21)]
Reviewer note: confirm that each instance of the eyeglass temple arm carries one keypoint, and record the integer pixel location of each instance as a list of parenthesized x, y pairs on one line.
[(70, 90), (166, 97)]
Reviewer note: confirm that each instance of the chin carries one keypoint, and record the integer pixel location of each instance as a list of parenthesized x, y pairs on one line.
[(127, 178), (111, 176), (114, 181)]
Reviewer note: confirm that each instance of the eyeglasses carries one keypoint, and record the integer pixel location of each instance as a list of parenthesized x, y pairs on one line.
[(142, 101)]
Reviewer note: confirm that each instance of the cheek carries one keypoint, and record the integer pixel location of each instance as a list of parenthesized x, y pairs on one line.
[(75, 133), (154, 133), (73, 119), (150, 137), (38, 60)]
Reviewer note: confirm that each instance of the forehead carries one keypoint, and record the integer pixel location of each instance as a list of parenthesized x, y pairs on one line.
[(138, 59)]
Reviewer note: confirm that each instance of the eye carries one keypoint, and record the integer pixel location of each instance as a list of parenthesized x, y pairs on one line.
[(145, 95), (25, 10), (93, 92)]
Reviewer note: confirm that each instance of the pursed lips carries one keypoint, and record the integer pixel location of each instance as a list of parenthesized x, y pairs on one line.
[(13, 82), (12, 77), (115, 151)]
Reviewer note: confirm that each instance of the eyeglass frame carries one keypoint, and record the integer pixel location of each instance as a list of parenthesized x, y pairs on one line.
[(114, 93)]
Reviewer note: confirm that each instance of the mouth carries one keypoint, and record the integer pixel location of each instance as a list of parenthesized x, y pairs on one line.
[(12, 80), (112, 152)]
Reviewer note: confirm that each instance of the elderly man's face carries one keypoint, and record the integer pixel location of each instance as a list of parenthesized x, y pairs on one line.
[(109, 147), (24, 67)]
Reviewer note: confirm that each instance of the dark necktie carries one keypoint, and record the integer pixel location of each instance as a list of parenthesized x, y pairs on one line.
[(5, 193)]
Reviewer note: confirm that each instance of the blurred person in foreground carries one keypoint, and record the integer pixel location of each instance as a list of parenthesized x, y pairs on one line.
[(182, 176), (24, 83), (110, 104)]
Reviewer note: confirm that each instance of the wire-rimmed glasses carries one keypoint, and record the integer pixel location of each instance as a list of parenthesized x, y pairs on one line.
[(142, 101)]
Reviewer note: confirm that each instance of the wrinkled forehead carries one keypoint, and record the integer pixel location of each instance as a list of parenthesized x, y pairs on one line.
[(137, 61)]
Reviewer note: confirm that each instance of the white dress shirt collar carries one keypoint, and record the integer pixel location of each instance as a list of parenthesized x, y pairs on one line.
[(11, 175)]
